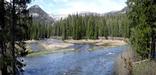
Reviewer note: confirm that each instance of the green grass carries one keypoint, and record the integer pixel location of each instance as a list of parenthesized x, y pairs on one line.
[(106, 44), (44, 52)]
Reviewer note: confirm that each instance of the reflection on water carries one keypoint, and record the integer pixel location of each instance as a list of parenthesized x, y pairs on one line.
[(82, 61)]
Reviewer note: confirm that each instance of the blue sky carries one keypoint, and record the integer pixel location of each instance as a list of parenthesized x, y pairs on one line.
[(65, 7)]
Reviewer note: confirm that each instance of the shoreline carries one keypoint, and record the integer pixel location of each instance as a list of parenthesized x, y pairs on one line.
[(98, 42), (49, 46)]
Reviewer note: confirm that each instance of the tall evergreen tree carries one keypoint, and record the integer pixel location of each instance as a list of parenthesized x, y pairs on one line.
[(142, 26), (13, 33)]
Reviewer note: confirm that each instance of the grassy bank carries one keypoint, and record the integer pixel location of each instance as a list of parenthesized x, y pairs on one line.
[(44, 52), (146, 67), (99, 42), (128, 63)]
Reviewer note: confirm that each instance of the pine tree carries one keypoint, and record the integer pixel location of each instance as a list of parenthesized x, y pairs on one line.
[(13, 33), (152, 18), (141, 23), (2, 42)]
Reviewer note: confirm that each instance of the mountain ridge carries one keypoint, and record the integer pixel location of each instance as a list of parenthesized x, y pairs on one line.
[(39, 15)]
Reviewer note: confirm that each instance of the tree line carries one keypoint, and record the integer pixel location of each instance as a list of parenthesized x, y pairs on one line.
[(39, 30), (92, 26)]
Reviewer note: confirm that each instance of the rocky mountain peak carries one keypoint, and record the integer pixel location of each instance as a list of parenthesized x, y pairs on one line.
[(39, 15)]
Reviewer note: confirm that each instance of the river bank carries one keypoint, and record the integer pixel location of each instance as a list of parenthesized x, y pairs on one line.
[(98, 42), (128, 63), (46, 46)]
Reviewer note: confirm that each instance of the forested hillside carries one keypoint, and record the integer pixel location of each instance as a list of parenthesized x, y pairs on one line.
[(92, 26)]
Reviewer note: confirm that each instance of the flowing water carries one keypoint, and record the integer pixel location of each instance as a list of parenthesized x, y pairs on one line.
[(84, 60)]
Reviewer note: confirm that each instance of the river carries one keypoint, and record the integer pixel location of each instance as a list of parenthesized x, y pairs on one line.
[(85, 60)]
